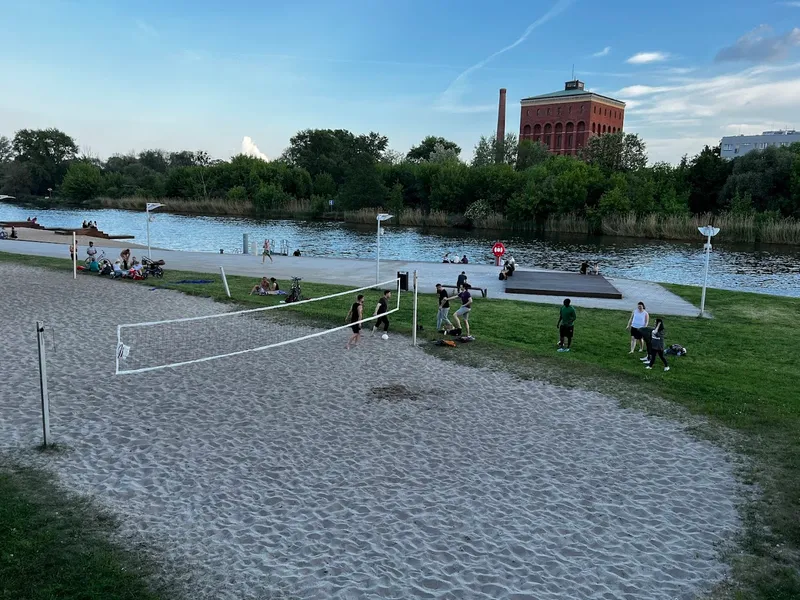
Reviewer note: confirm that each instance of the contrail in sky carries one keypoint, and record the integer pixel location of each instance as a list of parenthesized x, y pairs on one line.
[(556, 10)]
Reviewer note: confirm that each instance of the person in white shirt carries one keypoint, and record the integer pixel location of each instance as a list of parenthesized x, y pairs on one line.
[(91, 251), (639, 318)]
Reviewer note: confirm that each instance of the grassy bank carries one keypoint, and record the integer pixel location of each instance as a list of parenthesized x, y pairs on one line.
[(732, 376), (55, 545)]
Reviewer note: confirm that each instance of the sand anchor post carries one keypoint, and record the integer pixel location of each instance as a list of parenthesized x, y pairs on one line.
[(43, 384)]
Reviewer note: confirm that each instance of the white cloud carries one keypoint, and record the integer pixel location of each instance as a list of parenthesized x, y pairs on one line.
[(760, 45), (604, 52), (792, 4), (644, 58), (249, 148), (681, 117), (143, 27), (634, 91), (451, 96)]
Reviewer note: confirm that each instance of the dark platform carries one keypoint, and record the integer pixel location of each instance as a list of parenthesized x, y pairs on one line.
[(545, 283)]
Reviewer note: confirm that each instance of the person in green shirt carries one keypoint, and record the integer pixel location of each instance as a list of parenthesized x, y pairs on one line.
[(566, 325)]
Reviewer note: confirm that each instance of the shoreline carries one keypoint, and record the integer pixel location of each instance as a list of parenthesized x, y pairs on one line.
[(646, 227)]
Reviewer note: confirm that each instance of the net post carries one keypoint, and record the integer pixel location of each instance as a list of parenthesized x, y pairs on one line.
[(414, 323), (43, 383), (225, 281), (74, 256)]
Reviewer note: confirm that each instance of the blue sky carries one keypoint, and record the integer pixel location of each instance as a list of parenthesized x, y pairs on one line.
[(128, 75)]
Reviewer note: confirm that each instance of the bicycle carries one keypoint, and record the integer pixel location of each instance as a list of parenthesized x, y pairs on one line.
[(98, 257), (295, 294)]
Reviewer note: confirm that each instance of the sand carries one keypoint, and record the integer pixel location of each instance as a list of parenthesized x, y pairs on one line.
[(41, 235), (311, 472)]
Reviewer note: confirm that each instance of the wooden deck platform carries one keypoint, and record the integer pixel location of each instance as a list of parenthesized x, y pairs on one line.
[(544, 283), (90, 232)]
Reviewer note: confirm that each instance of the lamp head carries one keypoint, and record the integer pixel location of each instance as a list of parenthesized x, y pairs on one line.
[(708, 230)]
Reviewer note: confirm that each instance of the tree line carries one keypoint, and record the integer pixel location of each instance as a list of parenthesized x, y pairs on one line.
[(521, 181)]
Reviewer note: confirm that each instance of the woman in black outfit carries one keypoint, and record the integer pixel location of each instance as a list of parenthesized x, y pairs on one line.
[(657, 345)]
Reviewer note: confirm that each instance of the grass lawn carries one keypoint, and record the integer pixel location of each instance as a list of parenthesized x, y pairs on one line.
[(736, 374)]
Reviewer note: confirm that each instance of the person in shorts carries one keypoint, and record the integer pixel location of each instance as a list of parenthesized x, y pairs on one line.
[(639, 318), (566, 325), (266, 252), (463, 312), (380, 311), (354, 316), (442, 316)]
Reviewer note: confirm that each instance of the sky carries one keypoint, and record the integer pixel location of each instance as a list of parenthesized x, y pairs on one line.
[(245, 75)]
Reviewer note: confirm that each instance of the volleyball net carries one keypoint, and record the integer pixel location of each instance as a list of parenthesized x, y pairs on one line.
[(155, 345)]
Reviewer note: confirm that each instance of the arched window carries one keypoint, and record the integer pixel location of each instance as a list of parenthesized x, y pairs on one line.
[(581, 137), (538, 112), (593, 128), (528, 112), (594, 108), (558, 111), (537, 133), (604, 129), (526, 132), (559, 131), (548, 111), (548, 129), (570, 138)]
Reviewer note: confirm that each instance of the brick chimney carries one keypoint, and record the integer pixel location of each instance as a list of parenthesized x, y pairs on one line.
[(501, 116)]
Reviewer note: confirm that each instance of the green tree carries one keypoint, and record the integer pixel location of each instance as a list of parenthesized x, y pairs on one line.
[(324, 186), (47, 153), (616, 200), (17, 179), (448, 188), (184, 158), (333, 151), (156, 160), (237, 193), (83, 181), (425, 148), (395, 201), (6, 150), (490, 151), (705, 177), (766, 176), (363, 187), (530, 153), (615, 152), (442, 155)]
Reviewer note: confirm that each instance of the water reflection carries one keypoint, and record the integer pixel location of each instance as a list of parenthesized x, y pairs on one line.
[(773, 269)]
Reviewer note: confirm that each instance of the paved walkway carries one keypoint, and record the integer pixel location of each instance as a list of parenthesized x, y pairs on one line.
[(362, 272)]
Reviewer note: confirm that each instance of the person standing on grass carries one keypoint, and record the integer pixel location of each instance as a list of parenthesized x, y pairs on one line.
[(354, 316), (466, 308), (442, 317), (266, 252), (461, 282), (639, 318), (380, 311), (566, 325), (657, 345), (91, 251)]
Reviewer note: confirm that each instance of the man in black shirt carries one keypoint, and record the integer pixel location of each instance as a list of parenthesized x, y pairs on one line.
[(461, 283), (444, 309), (380, 309)]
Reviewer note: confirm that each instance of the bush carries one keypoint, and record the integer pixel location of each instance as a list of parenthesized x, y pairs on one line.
[(83, 181), (238, 192), (270, 196), (477, 211)]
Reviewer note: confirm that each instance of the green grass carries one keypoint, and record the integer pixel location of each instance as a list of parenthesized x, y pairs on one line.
[(741, 374), (56, 546)]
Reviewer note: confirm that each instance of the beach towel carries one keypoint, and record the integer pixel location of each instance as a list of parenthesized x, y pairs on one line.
[(195, 281)]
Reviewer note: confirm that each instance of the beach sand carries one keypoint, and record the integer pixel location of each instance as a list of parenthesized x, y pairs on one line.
[(311, 472), (41, 235)]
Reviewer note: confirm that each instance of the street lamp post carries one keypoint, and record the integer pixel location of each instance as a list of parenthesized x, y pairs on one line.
[(150, 206), (381, 218), (709, 232)]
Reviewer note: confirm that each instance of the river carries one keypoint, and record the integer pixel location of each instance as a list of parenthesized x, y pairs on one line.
[(744, 267)]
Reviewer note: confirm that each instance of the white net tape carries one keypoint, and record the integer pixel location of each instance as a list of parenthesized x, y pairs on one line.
[(156, 345)]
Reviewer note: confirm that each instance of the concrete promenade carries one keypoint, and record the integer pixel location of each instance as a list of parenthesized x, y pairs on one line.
[(358, 273)]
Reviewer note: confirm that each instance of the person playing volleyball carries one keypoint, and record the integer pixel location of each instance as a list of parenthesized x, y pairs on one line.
[(354, 316), (381, 309)]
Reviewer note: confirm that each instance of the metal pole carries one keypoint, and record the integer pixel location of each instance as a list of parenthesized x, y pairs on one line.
[(74, 256), (378, 259), (225, 281), (43, 384), (416, 293), (705, 278), (147, 212)]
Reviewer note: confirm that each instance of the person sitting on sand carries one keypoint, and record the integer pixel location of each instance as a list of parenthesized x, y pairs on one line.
[(94, 266), (584, 270), (464, 260), (596, 268), (117, 266), (261, 288), (446, 258)]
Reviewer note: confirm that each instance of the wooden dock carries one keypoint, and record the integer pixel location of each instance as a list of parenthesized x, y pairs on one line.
[(548, 283)]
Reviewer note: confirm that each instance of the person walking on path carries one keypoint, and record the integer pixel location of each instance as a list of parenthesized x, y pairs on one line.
[(566, 325), (466, 308), (354, 316), (442, 317), (461, 282), (380, 311), (639, 318), (657, 345), (266, 252)]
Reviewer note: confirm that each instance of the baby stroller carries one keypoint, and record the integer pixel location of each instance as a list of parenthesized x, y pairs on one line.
[(152, 268)]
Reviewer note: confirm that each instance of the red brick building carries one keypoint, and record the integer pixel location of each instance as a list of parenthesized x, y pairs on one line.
[(564, 120)]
